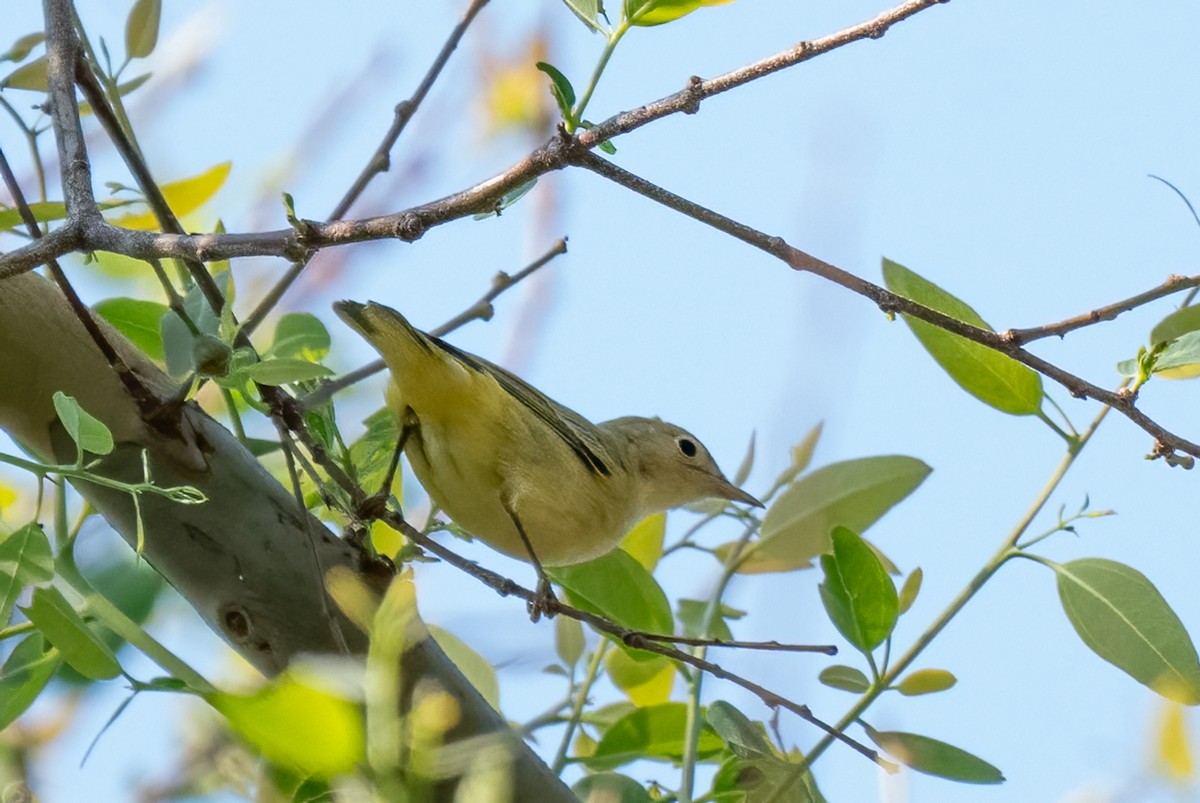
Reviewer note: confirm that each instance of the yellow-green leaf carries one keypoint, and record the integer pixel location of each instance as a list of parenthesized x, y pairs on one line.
[(994, 378), (32, 76), (1119, 613), (645, 541), (925, 681), (477, 669), (63, 627), (184, 196), (307, 730), (645, 682), (141, 28)]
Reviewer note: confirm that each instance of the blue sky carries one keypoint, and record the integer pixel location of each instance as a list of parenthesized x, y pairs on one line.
[(999, 149)]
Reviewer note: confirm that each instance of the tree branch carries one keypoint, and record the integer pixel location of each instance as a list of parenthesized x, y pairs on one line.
[(889, 302), (1109, 312)]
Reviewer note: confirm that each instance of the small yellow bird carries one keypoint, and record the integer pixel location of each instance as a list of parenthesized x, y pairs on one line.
[(528, 476)]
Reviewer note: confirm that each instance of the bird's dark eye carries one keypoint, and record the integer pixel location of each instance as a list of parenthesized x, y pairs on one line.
[(687, 446)]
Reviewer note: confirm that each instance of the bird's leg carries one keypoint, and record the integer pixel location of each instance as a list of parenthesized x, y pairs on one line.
[(373, 506), (544, 601)]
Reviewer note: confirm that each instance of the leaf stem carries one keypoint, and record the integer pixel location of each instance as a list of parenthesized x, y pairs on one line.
[(593, 672), (613, 39), (1008, 549)]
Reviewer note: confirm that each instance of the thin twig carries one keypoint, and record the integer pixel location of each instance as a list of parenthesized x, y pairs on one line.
[(410, 224), (380, 161), (889, 302), (1172, 285), (771, 646)]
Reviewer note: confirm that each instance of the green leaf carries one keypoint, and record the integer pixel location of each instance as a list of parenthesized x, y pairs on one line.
[(141, 28), (560, 87), (658, 12), (846, 678), (588, 12), (123, 89), (1119, 613), (858, 594), (741, 780), (65, 629), (653, 732), (1178, 323), (475, 668), (89, 433), (1181, 358), (305, 729), (933, 757), (925, 681), (23, 46), (994, 378), (853, 494), (507, 199), (24, 675), (301, 336), (25, 559), (371, 454), (177, 344), (31, 76), (747, 739), (910, 589), (619, 587), (568, 640), (691, 616), (609, 787), (284, 371), (138, 320), (646, 679)]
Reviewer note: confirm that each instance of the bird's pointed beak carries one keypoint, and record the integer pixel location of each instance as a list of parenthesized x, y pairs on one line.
[(735, 494)]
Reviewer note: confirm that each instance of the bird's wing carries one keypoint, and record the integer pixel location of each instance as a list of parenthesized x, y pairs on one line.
[(577, 432)]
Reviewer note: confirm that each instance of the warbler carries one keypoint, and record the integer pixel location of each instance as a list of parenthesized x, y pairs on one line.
[(528, 476)]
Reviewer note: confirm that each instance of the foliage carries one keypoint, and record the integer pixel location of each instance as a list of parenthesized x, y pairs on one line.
[(317, 737)]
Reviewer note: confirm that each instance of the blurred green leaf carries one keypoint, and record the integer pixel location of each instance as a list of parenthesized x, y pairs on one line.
[(301, 336), (910, 589), (371, 454), (609, 787), (284, 371), (25, 559), (1119, 613), (568, 640), (177, 344), (994, 378), (858, 594), (477, 669), (846, 678), (138, 320), (1178, 323), (748, 780), (302, 728), (65, 629), (745, 738), (925, 681), (588, 12), (645, 679), (89, 433), (691, 616), (141, 28), (933, 757), (619, 587), (1181, 358), (23, 46), (653, 732), (31, 76), (853, 493), (26, 672)]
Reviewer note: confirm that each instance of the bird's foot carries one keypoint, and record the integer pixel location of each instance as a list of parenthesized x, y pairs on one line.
[(544, 602)]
